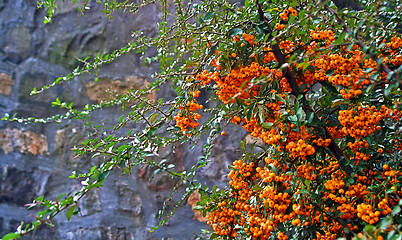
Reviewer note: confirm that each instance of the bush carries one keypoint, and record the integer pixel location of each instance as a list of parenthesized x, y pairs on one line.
[(317, 84)]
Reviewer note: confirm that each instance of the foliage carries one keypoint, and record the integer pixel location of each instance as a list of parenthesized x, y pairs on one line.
[(318, 85)]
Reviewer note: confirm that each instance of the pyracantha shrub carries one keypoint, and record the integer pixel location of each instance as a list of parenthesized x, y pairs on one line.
[(316, 82)]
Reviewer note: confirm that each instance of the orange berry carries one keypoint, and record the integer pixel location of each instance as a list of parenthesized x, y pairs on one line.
[(223, 133), (292, 145)]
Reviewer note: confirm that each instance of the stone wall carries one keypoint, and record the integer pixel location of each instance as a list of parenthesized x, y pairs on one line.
[(35, 159)]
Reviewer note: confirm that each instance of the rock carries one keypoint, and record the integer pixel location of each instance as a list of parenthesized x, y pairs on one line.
[(129, 201), (91, 203), (21, 186), (66, 7), (18, 43), (192, 200), (118, 233), (107, 88), (6, 84), (96, 233), (85, 233), (67, 46), (35, 73), (215, 172), (45, 232), (162, 180), (250, 140), (24, 141), (64, 140), (5, 142)]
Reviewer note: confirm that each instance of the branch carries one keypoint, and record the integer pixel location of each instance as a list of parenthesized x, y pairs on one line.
[(287, 73), (363, 46)]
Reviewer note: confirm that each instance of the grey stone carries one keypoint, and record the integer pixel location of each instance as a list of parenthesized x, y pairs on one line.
[(21, 187), (91, 203), (129, 200), (18, 43), (64, 140)]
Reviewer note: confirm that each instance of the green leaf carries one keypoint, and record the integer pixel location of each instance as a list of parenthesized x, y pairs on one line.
[(209, 16), (307, 182), (388, 89), (235, 32), (267, 125), (70, 212), (214, 236), (396, 210), (257, 187), (121, 119), (340, 38), (310, 118), (11, 236), (243, 145), (153, 117), (103, 176), (59, 197), (369, 228), (329, 87), (338, 102)]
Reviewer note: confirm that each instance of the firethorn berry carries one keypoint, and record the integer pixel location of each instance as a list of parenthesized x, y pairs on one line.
[(279, 26), (223, 133), (273, 189), (236, 119), (236, 38), (248, 38), (187, 118), (196, 93)]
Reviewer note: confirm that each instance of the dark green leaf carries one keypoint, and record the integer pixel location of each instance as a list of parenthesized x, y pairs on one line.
[(209, 16), (103, 176), (235, 32)]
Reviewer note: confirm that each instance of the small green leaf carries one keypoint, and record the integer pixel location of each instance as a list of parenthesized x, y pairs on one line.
[(153, 117), (307, 182), (310, 118), (330, 72), (338, 102), (340, 38), (121, 119), (209, 16), (214, 236), (70, 212), (235, 32), (243, 145), (257, 188), (11, 236), (396, 210), (103, 176), (267, 125)]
